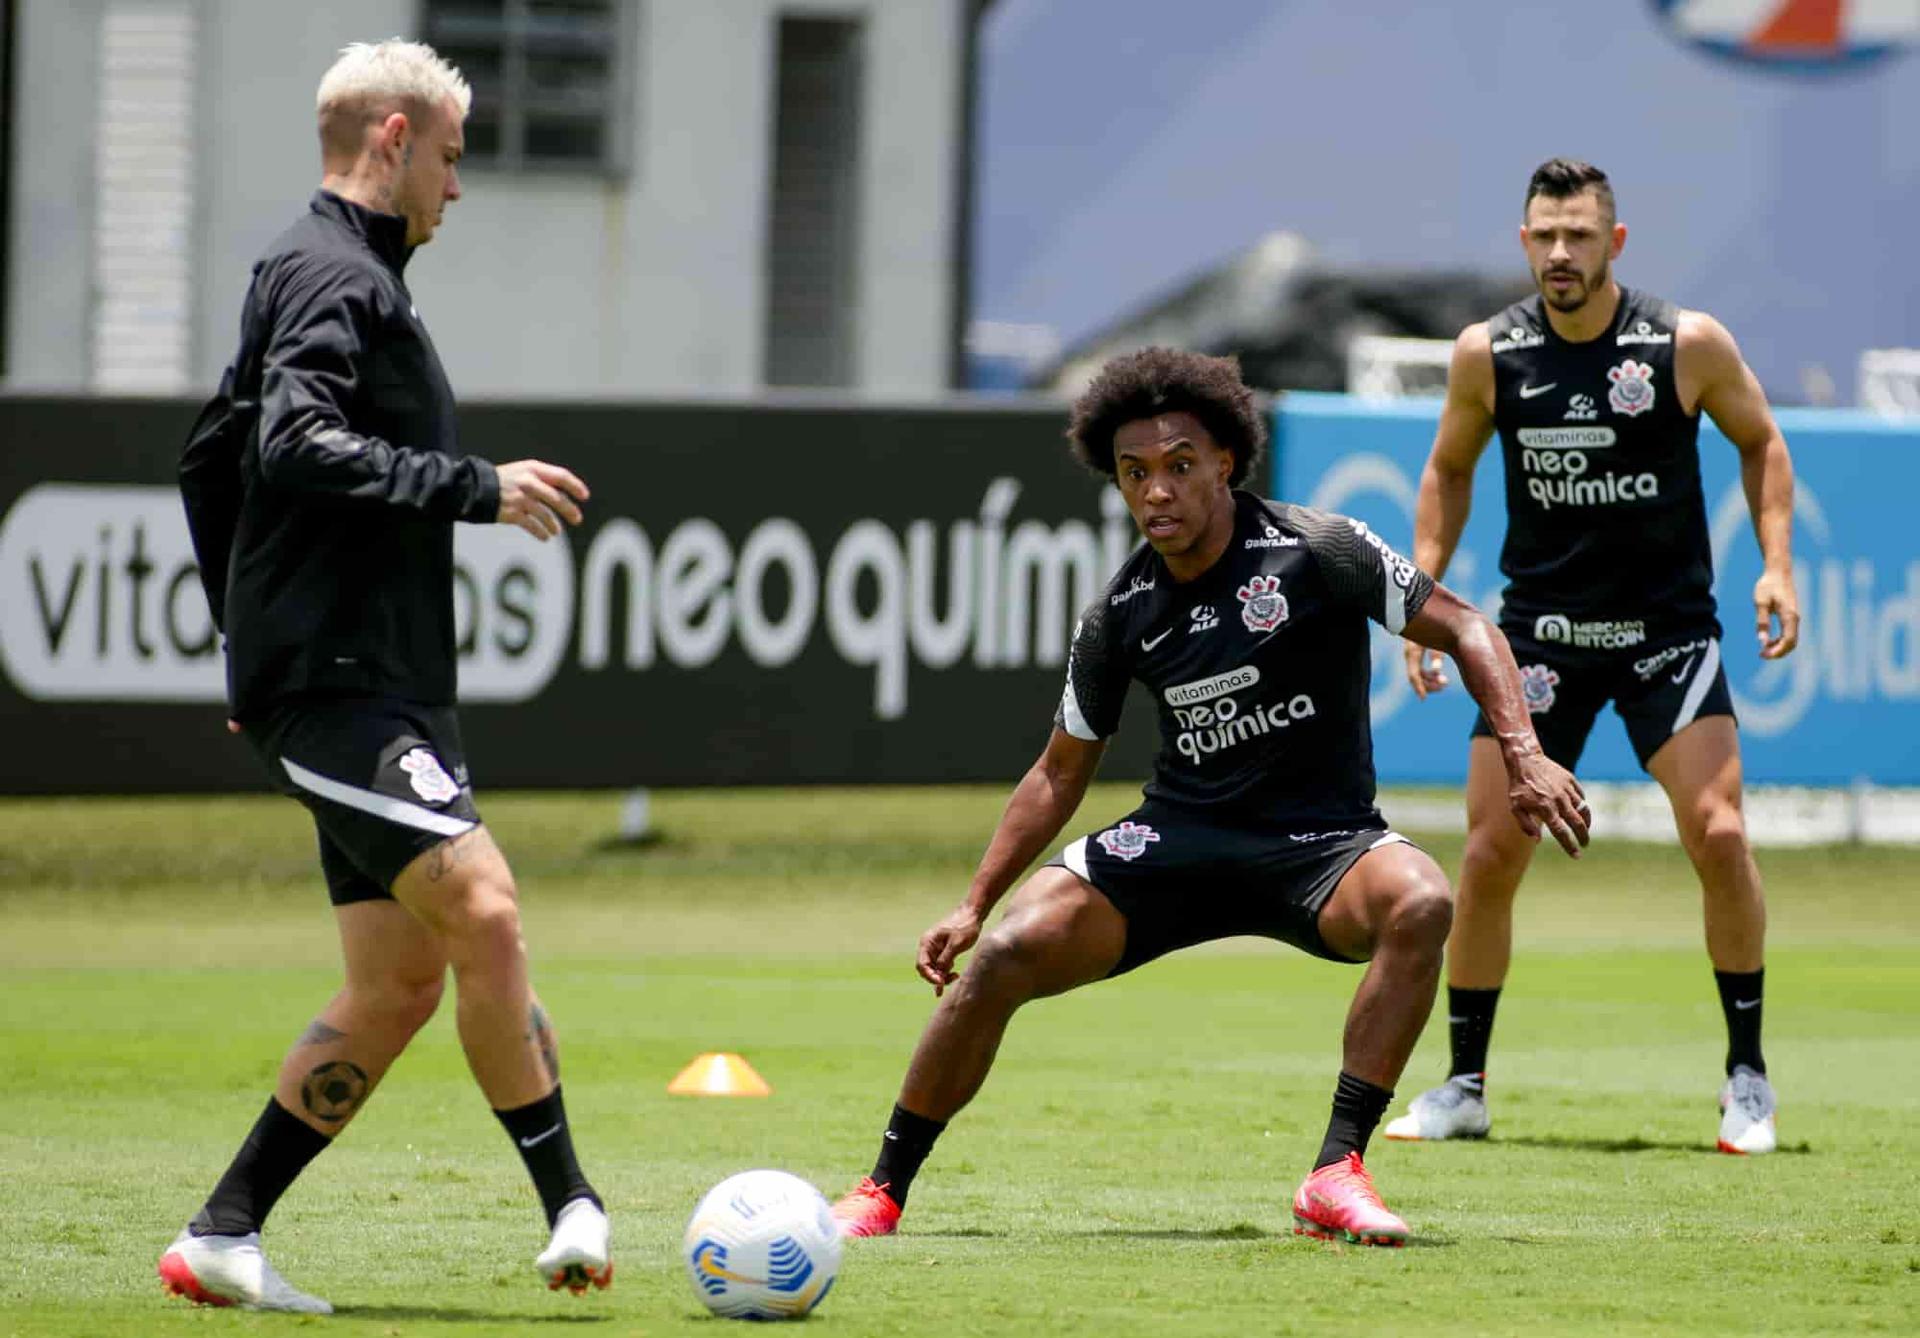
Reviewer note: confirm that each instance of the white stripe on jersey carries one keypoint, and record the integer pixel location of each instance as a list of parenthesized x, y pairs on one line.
[(1075, 858), (370, 801), (1075, 718), (1394, 614), (1697, 690)]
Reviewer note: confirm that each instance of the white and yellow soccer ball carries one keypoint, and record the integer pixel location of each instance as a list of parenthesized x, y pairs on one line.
[(762, 1245)]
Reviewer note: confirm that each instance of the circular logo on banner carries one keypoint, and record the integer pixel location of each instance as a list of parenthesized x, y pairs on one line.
[(1806, 35)]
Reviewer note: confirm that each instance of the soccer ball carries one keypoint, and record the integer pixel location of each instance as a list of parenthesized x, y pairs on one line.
[(762, 1245)]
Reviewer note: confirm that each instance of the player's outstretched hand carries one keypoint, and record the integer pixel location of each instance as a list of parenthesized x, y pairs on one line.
[(1426, 669), (1544, 796), (942, 945), (540, 498)]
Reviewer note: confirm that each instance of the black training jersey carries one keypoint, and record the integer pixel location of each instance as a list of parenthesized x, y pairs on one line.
[(1258, 668), (1606, 525), (333, 521)]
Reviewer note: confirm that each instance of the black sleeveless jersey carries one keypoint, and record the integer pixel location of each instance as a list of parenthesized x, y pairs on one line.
[(1606, 526), (1258, 667)]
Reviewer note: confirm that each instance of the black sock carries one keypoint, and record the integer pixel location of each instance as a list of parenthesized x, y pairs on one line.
[(905, 1145), (540, 1131), (1469, 1028), (1357, 1108), (276, 1150), (1740, 995)]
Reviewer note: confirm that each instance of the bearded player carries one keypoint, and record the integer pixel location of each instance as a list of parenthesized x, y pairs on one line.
[(1596, 392)]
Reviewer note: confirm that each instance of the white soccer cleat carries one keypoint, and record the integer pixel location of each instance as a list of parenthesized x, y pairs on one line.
[(1746, 1113), (578, 1253), (1455, 1109), (231, 1270)]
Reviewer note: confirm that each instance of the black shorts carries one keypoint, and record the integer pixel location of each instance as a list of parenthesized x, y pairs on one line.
[(1658, 689), (1181, 880), (384, 781)]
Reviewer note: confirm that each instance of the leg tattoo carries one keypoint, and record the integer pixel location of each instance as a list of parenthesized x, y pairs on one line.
[(450, 852), (540, 1031), (334, 1091), (319, 1033)]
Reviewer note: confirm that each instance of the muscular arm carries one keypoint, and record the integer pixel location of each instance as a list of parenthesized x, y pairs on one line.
[(1543, 795), (1446, 484), (1725, 389), (1037, 809)]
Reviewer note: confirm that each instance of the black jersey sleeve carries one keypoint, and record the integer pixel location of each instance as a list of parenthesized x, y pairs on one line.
[(1361, 570), (1097, 677), (314, 375)]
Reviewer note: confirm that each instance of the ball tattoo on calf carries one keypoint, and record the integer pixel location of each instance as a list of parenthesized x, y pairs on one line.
[(334, 1091)]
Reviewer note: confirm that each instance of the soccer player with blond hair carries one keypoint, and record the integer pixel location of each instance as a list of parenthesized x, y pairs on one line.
[(322, 485)]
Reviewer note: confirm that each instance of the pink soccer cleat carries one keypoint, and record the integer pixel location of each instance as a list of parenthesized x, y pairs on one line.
[(1339, 1202), (867, 1210)]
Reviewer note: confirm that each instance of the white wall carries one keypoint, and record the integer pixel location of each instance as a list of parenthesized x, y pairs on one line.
[(50, 256), (539, 284)]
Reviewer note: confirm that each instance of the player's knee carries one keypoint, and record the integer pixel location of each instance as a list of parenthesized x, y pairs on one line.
[(405, 1002), (1498, 847), (1002, 967), (1422, 910), (484, 926), (1717, 834)]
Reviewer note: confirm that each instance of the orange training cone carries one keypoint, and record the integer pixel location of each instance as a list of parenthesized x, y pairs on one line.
[(719, 1075)]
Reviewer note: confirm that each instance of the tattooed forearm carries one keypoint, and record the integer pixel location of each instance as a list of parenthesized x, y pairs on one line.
[(540, 1032), (319, 1033), (334, 1091)]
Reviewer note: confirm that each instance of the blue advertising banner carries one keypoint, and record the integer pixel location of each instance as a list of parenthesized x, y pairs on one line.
[(1844, 706)]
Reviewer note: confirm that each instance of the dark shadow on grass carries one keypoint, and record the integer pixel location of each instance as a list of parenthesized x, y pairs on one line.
[(1238, 1231), (633, 845), (1565, 1144), (455, 1315)]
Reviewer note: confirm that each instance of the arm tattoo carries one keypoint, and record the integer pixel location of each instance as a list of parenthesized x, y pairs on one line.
[(319, 1033), (540, 1031), (334, 1091)]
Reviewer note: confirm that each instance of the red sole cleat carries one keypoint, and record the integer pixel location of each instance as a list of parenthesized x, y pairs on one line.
[(576, 1278), (178, 1280), (1305, 1227)]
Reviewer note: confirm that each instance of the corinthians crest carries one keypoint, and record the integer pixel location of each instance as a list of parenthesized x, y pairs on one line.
[(1262, 606), (429, 779), (1128, 841), (1632, 392), (1536, 685)]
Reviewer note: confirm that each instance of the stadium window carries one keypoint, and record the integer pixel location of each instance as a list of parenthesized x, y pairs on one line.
[(813, 235), (548, 76)]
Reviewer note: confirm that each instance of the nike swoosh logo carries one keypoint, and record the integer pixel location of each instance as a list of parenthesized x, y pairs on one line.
[(1149, 645), (1528, 392), (1685, 669), (1744, 1004), (538, 1139)]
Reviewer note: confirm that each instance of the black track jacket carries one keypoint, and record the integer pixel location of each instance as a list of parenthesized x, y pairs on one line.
[(323, 480)]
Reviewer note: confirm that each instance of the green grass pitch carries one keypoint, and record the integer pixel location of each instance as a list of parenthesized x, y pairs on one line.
[(1127, 1170)]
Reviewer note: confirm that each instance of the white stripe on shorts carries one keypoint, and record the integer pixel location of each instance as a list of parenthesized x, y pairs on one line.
[(1391, 838), (1697, 690), (1075, 858), (370, 801)]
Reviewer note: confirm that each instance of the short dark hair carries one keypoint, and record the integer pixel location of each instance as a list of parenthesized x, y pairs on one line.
[(1564, 178), (1157, 381)]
